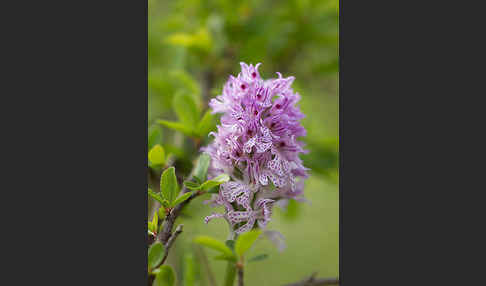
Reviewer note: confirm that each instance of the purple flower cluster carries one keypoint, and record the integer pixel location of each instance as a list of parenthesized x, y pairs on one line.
[(256, 144)]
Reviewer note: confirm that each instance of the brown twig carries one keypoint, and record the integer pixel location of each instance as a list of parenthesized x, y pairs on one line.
[(312, 281), (166, 232), (240, 275), (172, 238)]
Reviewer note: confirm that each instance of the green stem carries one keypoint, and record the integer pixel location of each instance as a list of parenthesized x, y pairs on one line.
[(229, 279)]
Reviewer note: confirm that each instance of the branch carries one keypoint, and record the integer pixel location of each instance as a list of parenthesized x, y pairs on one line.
[(240, 275), (172, 238), (312, 281), (166, 232)]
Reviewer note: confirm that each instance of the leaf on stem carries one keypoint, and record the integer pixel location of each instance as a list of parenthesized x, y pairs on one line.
[(245, 241), (214, 244), (165, 276), (202, 165), (168, 185), (223, 178), (155, 254), (181, 198), (156, 155)]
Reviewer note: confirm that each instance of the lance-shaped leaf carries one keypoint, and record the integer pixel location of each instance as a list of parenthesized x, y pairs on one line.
[(202, 165), (214, 244), (223, 178), (189, 274), (154, 136), (156, 155), (181, 199), (245, 241), (155, 221), (165, 276), (178, 126), (225, 257), (151, 228), (168, 185), (155, 196), (155, 254), (259, 257), (186, 109), (192, 185), (206, 124)]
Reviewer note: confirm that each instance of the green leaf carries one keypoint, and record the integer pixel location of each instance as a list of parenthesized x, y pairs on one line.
[(161, 211), (155, 254), (151, 227), (156, 155), (154, 136), (258, 258), (213, 244), (155, 221), (202, 165), (155, 196), (206, 124), (184, 81), (178, 126), (223, 178), (245, 241), (196, 179), (230, 244), (168, 185), (225, 257), (181, 198), (165, 276), (192, 185), (189, 277), (200, 40), (186, 109)]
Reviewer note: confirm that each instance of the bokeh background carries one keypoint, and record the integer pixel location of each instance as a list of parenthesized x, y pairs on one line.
[(194, 45)]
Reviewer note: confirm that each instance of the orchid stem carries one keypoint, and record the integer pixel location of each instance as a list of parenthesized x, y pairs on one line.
[(229, 279)]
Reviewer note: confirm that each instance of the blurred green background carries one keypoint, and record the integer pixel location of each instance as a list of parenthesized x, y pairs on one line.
[(194, 46)]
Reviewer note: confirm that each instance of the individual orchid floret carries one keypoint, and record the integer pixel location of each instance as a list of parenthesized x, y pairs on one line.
[(256, 145)]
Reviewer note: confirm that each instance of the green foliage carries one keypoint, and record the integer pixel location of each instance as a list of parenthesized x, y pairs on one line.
[(188, 113), (168, 185), (216, 181), (165, 276), (186, 109), (259, 257), (181, 198), (215, 244), (178, 126), (230, 244), (206, 124), (154, 136), (158, 197), (155, 254), (153, 225), (156, 155), (245, 241), (202, 165), (189, 274), (192, 185), (200, 40)]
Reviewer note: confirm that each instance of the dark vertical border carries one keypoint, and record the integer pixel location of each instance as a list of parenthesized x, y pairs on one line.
[(79, 76)]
